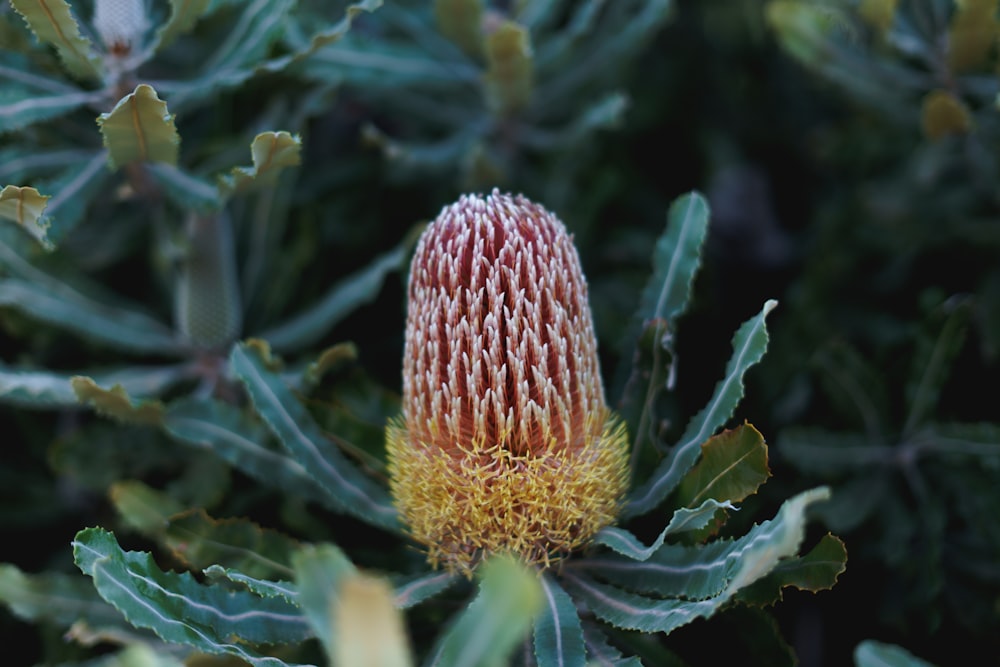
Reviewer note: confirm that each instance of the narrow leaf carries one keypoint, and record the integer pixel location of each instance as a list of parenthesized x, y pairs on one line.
[(186, 190), (299, 433), (415, 590), (319, 569), (74, 188), (21, 107), (53, 23), (26, 207), (53, 597), (676, 259), (558, 635), (139, 128), (116, 403), (271, 152), (871, 653), (486, 632), (183, 15), (38, 389), (211, 619), (60, 305), (749, 345), (225, 431), (342, 299)]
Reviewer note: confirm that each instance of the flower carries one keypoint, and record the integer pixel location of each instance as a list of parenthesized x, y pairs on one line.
[(506, 443)]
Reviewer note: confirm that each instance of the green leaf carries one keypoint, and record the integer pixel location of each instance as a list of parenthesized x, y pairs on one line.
[(816, 571), (253, 30), (44, 389), (415, 590), (696, 581), (749, 345), (262, 587), (116, 403), (142, 507), (60, 305), (343, 298), (323, 38), (75, 187), (676, 259), (186, 190), (35, 97), (271, 153), (817, 451), (136, 655), (486, 632), (26, 207), (139, 128), (291, 422), (53, 597), (558, 635), (871, 653), (319, 569), (199, 540), (211, 619), (224, 430), (53, 23), (183, 15), (733, 465)]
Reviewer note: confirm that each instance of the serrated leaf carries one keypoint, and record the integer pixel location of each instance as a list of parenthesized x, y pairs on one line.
[(367, 626), (414, 590), (601, 652), (299, 433), (271, 153), (733, 465), (116, 403), (178, 609), (486, 632), (53, 597), (253, 30), (343, 298), (684, 519), (45, 389), (749, 345), (871, 653), (183, 15), (53, 23), (330, 358), (224, 430), (199, 540), (815, 571), (725, 569), (139, 129), (558, 635), (319, 569), (265, 588), (26, 207), (676, 259), (323, 38)]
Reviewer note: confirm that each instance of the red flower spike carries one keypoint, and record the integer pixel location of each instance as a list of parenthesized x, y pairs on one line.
[(505, 442)]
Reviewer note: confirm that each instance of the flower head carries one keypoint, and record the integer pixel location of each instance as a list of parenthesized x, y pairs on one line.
[(505, 442)]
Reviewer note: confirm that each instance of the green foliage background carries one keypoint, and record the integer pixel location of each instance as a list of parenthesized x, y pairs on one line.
[(834, 188)]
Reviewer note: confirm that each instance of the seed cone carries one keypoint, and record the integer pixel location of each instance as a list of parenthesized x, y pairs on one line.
[(505, 442)]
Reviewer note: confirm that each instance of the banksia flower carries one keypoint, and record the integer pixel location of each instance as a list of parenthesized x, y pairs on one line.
[(505, 443)]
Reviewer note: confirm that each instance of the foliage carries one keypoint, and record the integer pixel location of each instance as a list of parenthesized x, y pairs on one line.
[(207, 207)]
